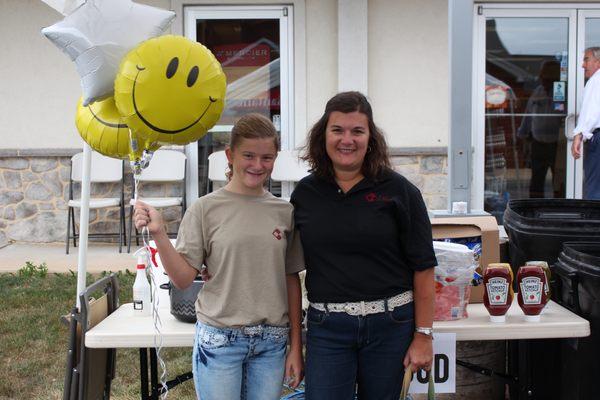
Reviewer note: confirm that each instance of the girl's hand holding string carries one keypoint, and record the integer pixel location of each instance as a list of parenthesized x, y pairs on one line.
[(145, 215)]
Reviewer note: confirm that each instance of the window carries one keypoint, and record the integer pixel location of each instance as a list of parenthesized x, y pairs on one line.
[(254, 46)]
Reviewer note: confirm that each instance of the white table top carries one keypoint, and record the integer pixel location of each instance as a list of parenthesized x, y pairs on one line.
[(122, 329), (555, 322)]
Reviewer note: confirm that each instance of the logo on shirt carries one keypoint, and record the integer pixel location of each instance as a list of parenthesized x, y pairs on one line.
[(372, 197), (277, 234)]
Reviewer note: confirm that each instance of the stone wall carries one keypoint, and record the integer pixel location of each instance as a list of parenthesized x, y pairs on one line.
[(427, 169), (34, 189), (32, 198)]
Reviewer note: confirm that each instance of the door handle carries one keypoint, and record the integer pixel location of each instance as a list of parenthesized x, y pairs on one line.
[(569, 133)]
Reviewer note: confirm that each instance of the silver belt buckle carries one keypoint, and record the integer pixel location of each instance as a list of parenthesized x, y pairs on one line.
[(347, 308), (253, 330)]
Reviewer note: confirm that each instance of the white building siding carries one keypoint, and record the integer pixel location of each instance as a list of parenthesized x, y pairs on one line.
[(408, 70)]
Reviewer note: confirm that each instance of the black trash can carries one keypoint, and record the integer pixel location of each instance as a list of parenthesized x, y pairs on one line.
[(577, 272), (536, 229)]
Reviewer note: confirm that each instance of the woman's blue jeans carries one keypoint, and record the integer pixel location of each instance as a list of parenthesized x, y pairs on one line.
[(229, 364), (345, 353)]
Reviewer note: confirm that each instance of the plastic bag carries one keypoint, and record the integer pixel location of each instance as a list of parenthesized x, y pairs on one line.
[(453, 276)]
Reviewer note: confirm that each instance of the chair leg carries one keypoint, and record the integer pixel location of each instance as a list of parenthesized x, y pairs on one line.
[(130, 225), (68, 229), (120, 229), (124, 224), (73, 226)]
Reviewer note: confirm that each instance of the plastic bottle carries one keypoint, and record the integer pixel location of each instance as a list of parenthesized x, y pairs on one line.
[(532, 297), (142, 303), (498, 293), (546, 269)]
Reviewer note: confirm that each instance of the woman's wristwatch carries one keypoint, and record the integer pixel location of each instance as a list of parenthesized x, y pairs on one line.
[(424, 331)]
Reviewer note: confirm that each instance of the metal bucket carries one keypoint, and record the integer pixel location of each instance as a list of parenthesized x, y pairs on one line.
[(183, 301)]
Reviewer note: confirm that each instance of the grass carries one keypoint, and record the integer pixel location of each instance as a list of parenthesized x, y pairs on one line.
[(33, 340)]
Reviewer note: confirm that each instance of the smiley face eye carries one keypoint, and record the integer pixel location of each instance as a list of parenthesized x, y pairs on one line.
[(192, 76), (172, 67)]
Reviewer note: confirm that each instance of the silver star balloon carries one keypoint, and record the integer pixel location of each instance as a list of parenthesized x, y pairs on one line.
[(99, 33), (65, 7)]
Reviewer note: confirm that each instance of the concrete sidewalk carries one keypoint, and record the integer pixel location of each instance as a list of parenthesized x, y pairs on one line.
[(100, 257)]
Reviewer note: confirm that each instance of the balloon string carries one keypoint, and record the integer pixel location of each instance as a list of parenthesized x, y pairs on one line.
[(158, 338)]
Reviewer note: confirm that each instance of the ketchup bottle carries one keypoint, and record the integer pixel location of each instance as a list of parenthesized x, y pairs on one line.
[(532, 297), (498, 293), (546, 269)]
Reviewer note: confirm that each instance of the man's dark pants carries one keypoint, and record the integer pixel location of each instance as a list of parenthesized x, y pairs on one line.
[(591, 167)]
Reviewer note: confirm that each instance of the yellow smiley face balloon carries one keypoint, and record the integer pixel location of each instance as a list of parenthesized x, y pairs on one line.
[(104, 129), (170, 90)]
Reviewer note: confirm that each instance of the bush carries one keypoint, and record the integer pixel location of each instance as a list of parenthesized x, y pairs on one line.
[(31, 270)]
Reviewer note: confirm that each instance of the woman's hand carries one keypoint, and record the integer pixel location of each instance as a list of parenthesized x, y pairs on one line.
[(420, 352), (294, 368), (145, 215)]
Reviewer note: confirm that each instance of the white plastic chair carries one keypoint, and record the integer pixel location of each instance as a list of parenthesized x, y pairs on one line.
[(165, 166), (289, 168), (217, 167), (104, 170)]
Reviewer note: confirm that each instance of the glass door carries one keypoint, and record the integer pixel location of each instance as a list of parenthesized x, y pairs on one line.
[(588, 35), (254, 46), (525, 102)]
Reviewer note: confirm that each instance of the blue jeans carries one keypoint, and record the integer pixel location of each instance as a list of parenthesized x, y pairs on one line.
[(343, 351), (230, 364)]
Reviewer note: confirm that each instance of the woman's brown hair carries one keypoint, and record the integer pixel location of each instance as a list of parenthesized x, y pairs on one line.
[(376, 160), (251, 126)]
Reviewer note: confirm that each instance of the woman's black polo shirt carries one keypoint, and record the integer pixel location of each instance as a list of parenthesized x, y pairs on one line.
[(364, 244)]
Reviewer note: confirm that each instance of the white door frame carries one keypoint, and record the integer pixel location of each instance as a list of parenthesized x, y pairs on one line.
[(285, 15), (582, 15), (573, 184)]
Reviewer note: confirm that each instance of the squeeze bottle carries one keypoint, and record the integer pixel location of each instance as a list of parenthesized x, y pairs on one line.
[(142, 303)]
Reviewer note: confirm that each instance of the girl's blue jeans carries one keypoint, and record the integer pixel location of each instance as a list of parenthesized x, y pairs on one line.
[(245, 364)]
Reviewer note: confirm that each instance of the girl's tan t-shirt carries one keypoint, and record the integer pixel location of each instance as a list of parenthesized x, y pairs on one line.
[(248, 244)]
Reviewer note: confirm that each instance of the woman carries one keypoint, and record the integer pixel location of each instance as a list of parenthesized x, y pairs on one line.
[(244, 236), (369, 257)]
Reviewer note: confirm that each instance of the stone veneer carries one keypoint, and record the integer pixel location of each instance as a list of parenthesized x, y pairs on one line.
[(34, 189), (427, 169)]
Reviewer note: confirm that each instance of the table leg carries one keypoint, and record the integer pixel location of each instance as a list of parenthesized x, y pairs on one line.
[(525, 388), (144, 374), (156, 389), (154, 374), (513, 368)]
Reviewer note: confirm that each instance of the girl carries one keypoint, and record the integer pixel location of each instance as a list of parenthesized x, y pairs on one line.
[(252, 302)]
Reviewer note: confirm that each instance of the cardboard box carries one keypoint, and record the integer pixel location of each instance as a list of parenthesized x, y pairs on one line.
[(485, 227)]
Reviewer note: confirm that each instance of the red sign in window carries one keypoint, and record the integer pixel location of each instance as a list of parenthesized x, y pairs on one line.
[(243, 55)]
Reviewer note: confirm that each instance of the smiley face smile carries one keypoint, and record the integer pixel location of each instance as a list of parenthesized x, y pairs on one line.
[(156, 128), (103, 122)]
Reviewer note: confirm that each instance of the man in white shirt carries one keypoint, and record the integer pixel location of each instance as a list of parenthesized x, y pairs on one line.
[(588, 126)]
